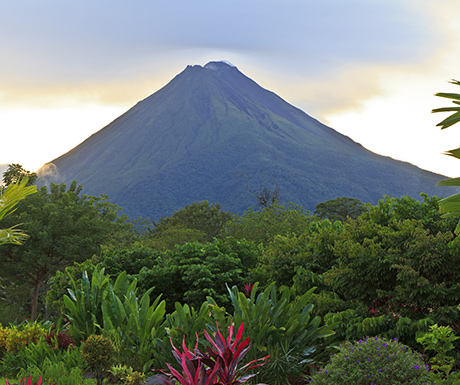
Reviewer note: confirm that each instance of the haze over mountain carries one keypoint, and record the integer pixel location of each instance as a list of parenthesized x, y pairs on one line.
[(210, 132)]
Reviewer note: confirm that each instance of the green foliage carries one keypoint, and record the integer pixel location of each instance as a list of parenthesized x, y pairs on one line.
[(126, 375), (36, 355), (312, 251), (98, 353), (397, 267), (340, 209), (262, 226), (9, 199), (373, 360), (194, 271), (20, 336), (135, 378), (277, 318), (115, 260), (440, 340), (55, 373), (84, 304), (15, 173), (199, 221), (450, 206), (133, 324), (354, 322), (60, 284), (63, 227), (425, 212), (455, 117)]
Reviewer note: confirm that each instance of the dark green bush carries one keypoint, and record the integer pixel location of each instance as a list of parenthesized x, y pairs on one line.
[(98, 353)]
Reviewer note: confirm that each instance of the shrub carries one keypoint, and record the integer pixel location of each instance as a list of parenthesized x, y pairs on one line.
[(135, 378), (20, 336), (440, 340), (35, 355), (276, 318), (126, 375), (4, 332), (98, 353), (218, 365), (374, 361), (59, 340), (55, 373)]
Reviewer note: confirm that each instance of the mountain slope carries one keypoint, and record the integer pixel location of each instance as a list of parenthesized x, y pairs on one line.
[(209, 132)]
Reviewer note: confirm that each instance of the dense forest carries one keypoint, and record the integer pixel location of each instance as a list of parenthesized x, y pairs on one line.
[(301, 283)]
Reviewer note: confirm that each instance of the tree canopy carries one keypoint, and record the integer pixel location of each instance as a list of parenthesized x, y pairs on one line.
[(63, 227), (339, 209), (15, 172)]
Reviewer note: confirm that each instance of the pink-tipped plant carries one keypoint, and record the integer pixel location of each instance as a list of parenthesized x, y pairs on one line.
[(194, 371), (219, 365), (29, 381), (227, 355)]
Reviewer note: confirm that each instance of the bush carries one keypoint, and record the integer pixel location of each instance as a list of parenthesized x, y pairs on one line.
[(59, 340), (98, 353), (20, 336), (374, 360), (55, 373), (35, 355)]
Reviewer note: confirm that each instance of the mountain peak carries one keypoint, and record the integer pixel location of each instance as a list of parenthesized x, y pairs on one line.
[(219, 65), (210, 130)]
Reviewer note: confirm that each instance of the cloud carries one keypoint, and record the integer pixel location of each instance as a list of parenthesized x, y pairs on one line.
[(53, 42)]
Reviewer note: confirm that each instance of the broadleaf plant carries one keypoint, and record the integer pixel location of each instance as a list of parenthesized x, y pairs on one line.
[(450, 206), (218, 365)]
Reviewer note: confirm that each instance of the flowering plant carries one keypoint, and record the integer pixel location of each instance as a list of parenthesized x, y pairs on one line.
[(374, 361)]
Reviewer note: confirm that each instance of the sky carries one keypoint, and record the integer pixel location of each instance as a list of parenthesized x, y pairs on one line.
[(367, 68)]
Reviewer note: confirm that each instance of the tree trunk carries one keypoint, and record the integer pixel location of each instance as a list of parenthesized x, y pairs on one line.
[(37, 283)]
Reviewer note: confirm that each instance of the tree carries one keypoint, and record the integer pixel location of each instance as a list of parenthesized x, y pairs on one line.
[(63, 227), (9, 198), (339, 209), (262, 226), (193, 271), (265, 197), (450, 206), (199, 221), (16, 172)]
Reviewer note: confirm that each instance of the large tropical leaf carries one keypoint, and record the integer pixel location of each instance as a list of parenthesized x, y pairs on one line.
[(455, 117), (450, 206), (9, 199)]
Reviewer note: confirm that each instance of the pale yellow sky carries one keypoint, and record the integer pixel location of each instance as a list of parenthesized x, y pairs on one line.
[(367, 69)]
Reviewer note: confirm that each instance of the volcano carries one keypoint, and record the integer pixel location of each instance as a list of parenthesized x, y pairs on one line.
[(214, 134)]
